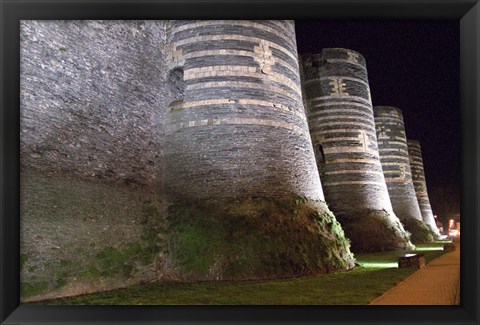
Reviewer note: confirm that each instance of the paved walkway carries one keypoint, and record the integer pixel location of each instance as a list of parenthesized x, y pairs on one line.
[(438, 283)]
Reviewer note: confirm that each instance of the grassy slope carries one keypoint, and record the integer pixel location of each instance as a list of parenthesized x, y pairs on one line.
[(358, 286)]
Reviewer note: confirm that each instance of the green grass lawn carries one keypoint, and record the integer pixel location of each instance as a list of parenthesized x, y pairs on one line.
[(377, 273)]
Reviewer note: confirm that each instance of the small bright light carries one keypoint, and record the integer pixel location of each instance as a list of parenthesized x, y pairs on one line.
[(431, 248), (410, 255), (451, 223), (453, 232), (379, 265)]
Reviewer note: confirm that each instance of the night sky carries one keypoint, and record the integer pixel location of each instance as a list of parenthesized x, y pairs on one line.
[(414, 66)]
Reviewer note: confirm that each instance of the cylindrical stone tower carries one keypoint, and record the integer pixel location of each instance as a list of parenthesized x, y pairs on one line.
[(420, 185), (237, 125), (237, 130), (342, 129), (392, 143)]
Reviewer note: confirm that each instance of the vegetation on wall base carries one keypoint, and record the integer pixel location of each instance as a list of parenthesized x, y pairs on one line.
[(375, 231), (253, 239)]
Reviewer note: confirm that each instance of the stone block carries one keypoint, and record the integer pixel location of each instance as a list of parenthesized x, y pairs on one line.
[(412, 260)]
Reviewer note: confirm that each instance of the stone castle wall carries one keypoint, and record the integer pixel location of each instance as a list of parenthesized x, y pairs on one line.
[(91, 121), (123, 121), (236, 125), (420, 184), (392, 143), (90, 104), (342, 128), (343, 133), (130, 128)]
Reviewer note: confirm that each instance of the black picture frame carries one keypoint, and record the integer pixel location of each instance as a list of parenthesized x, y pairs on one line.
[(11, 312)]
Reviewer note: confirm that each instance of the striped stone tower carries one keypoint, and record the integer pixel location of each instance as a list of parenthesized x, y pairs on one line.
[(236, 125), (420, 185), (392, 143), (393, 148), (342, 129)]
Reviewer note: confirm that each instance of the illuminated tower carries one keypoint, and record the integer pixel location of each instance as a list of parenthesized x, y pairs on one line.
[(342, 129), (420, 185), (236, 128), (392, 143)]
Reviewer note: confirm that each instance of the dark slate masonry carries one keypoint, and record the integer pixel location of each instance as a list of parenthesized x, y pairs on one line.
[(91, 120), (236, 125), (420, 184), (123, 122), (392, 143), (342, 129)]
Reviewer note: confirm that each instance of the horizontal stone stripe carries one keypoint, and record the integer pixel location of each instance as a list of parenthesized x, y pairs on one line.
[(254, 102), (232, 70), (417, 160), (354, 161), (398, 163), (359, 125), (239, 121), (341, 96), (396, 172), (350, 149), (240, 84), (232, 52), (336, 172), (394, 152), (198, 39), (345, 61), (339, 131), (207, 103), (320, 79), (331, 112), (339, 139), (419, 180), (404, 180), (215, 70), (243, 23), (286, 108), (388, 119), (354, 183), (340, 118), (398, 143)]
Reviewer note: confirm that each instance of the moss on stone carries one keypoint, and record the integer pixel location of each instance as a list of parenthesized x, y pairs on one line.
[(420, 231), (375, 231), (256, 238), (33, 288), (23, 260)]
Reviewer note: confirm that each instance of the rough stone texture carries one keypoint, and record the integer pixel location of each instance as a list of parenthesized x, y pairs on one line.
[(90, 99), (392, 143), (420, 185), (342, 129), (238, 128), (112, 110), (91, 119), (413, 260)]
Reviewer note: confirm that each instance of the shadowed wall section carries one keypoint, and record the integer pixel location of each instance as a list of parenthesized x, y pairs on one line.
[(91, 121), (420, 184), (392, 143), (342, 129)]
